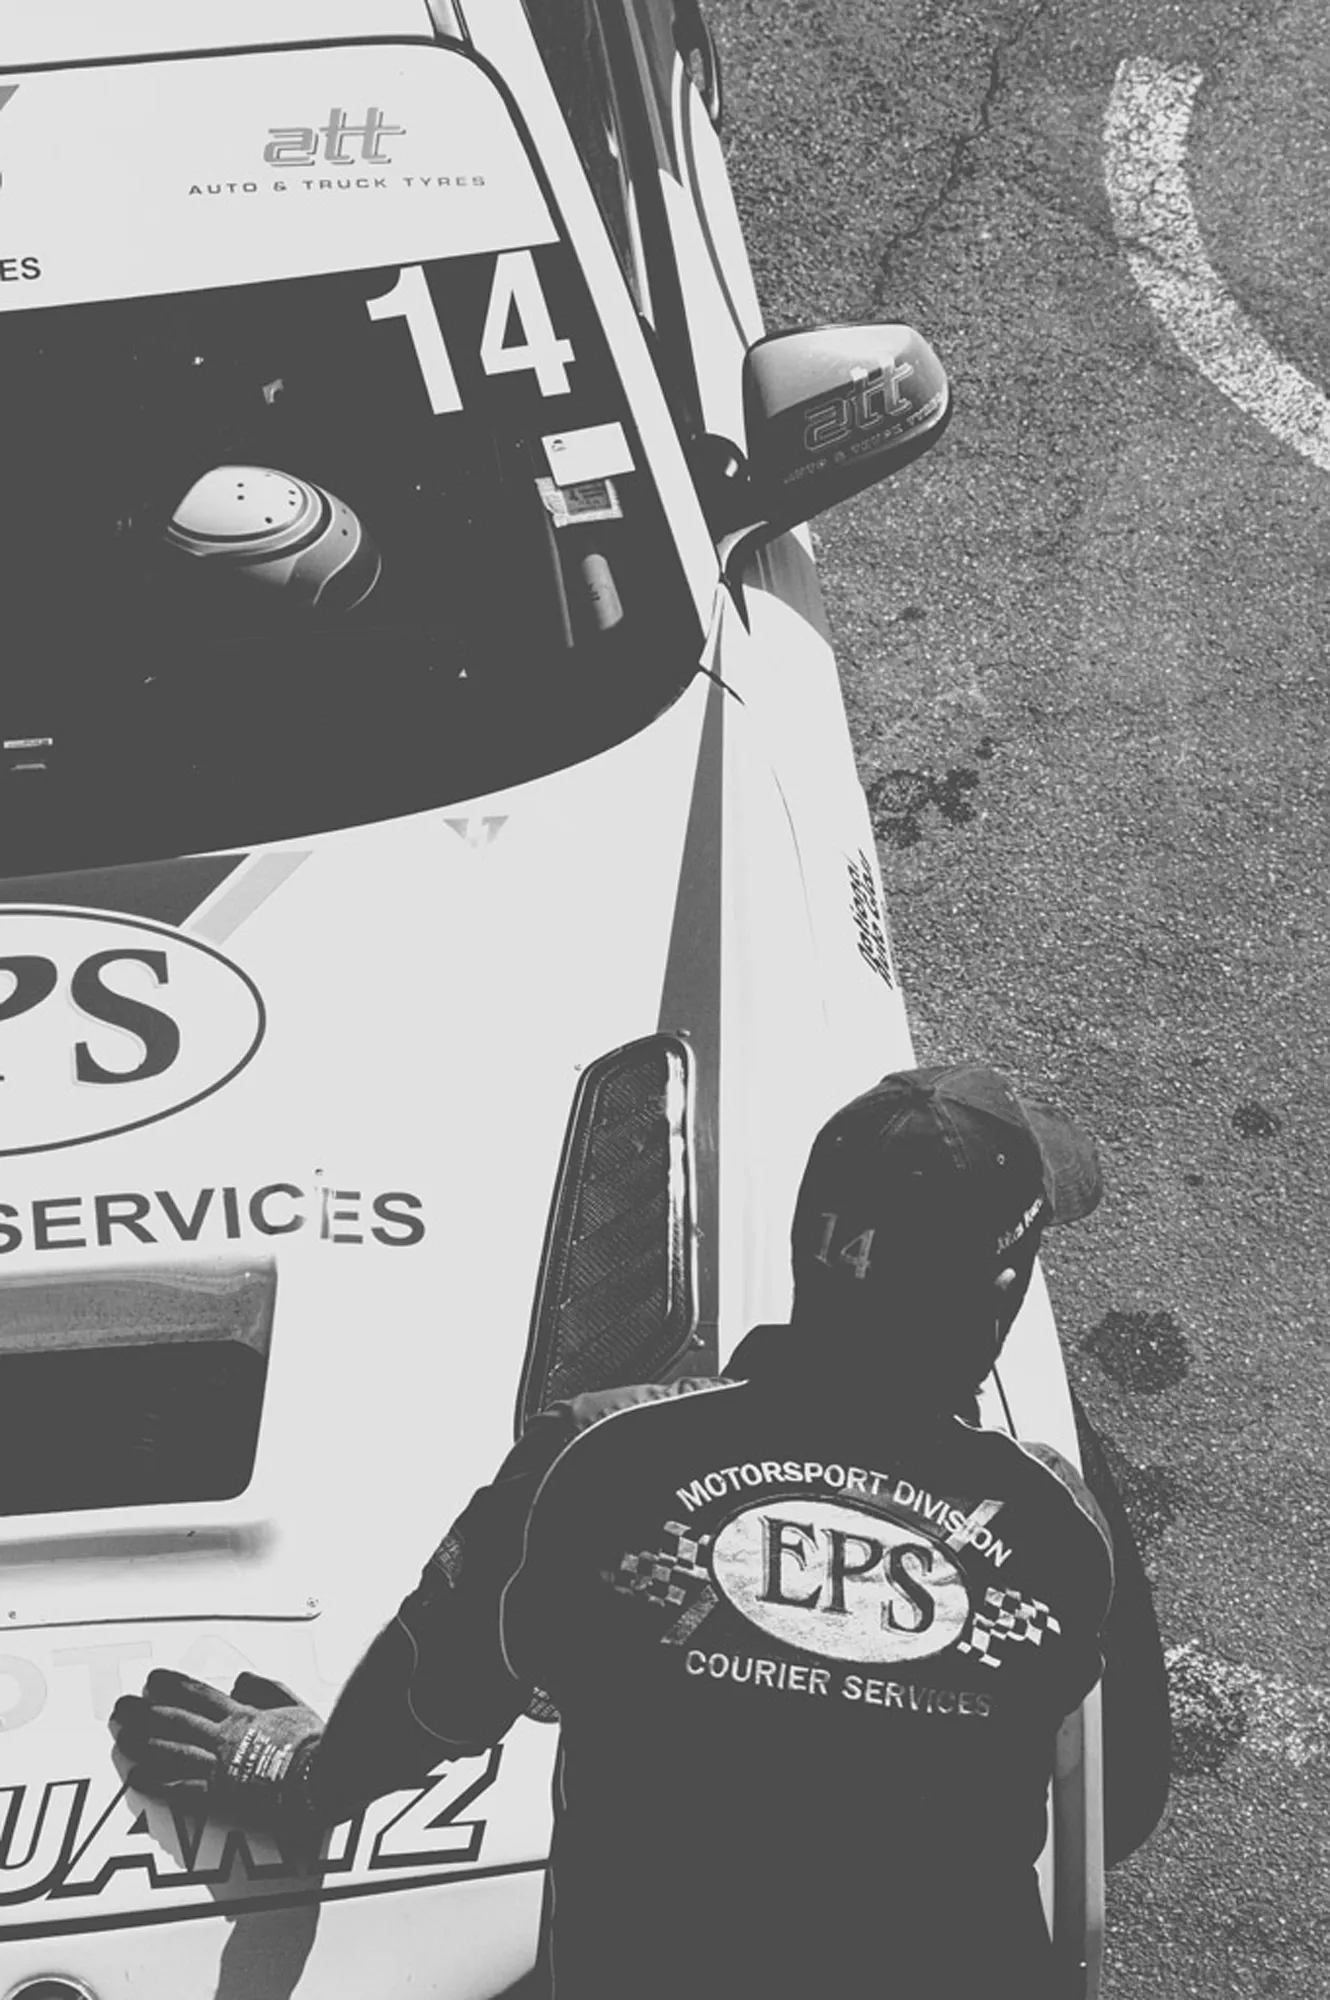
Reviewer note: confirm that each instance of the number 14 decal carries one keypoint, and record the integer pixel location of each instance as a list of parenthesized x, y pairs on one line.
[(515, 293)]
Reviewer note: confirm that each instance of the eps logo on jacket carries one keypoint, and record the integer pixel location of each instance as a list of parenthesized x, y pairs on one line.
[(819, 1576), (840, 1582)]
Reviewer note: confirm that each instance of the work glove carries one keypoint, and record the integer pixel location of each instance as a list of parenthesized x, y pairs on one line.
[(241, 1756)]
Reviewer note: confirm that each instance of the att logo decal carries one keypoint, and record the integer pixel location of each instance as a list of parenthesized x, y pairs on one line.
[(874, 400), (298, 145)]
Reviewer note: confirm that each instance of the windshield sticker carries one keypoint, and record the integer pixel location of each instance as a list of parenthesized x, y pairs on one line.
[(597, 452), (516, 301), (247, 168), (593, 500), (302, 145), (108, 1023)]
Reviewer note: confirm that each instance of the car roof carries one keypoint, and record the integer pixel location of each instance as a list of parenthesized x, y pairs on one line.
[(62, 31)]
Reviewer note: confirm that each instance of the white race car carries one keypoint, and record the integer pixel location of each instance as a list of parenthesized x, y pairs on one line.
[(438, 904)]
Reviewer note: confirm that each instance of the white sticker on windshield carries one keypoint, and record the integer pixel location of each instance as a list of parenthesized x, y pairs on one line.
[(243, 169), (598, 452), (594, 500)]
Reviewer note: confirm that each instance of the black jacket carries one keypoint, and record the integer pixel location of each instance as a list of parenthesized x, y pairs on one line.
[(810, 1653)]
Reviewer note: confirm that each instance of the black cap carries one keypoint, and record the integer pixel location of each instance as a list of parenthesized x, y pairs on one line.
[(947, 1161)]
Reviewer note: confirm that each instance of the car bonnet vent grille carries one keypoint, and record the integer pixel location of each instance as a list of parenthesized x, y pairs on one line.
[(130, 1388), (616, 1298)]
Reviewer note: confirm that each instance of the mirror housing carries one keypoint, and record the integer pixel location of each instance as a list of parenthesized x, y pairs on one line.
[(834, 409)]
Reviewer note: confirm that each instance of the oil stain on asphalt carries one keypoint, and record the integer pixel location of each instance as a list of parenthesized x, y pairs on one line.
[(1210, 1715), (899, 799), (1253, 1121), (1145, 1351), (1219, 1704)]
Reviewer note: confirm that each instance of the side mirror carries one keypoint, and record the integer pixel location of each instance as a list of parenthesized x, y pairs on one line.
[(834, 409)]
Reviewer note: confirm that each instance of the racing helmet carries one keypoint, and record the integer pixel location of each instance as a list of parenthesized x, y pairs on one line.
[(276, 529)]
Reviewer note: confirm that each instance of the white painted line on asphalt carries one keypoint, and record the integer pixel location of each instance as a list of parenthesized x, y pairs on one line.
[(1284, 1718), (1145, 137)]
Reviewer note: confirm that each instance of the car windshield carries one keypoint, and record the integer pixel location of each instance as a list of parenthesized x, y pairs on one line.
[(296, 547)]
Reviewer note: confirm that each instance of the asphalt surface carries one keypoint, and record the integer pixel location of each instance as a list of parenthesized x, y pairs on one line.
[(1084, 646)]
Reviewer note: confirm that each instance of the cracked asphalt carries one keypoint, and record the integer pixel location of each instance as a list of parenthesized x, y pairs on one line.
[(1084, 647)]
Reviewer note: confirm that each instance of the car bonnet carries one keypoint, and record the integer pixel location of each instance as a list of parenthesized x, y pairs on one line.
[(318, 1092)]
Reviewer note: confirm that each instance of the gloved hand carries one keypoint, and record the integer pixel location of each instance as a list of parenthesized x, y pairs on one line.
[(241, 1756)]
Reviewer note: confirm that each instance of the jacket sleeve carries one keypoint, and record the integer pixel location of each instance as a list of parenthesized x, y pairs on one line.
[(436, 1682), (1137, 1722), (1086, 1562)]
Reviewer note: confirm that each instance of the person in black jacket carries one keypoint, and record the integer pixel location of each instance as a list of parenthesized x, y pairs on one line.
[(809, 1630)]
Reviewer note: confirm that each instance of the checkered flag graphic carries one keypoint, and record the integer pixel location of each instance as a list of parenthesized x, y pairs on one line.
[(666, 1576), (1007, 1619)]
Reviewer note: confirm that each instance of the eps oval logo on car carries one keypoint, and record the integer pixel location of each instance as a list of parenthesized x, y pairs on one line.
[(838, 1581), (108, 1023)]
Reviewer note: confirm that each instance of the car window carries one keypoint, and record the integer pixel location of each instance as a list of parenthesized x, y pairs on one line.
[(572, 43), (287, 555), (622, 131)]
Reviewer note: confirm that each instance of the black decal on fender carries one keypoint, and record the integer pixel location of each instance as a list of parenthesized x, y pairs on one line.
[(428, 1829), (157, 1031)]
